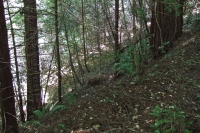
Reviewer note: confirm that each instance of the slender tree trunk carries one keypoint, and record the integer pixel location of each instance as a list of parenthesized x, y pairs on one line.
[(58, 52), (48, 77), (141, 4), (70, 59), (135, 39), (20, 101), (76, 51), (34, 101), (106, 12), (9, 120), (125, 21), (116, 36), (83, 34), (98, 38)]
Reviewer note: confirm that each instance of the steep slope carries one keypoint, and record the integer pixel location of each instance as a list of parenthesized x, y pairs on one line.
[(169, 88)]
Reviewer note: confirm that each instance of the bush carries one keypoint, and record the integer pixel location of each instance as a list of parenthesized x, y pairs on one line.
[(169, 120)]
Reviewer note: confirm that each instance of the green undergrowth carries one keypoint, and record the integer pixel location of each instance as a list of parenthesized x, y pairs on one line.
[(165, 99), (170, 119)]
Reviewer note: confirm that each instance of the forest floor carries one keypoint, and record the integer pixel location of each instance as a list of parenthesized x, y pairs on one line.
[(168, 94)]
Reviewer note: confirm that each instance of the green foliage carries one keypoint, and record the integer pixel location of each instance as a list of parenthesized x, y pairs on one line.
[(172, 5), (125, 65), (115, 93), (141, 14), (44, 112), (126, 62), (61, 125), (164, 44), (70, 98), (39, 113), (132, 129), (169, 120), (145, 51), (195, 23), (58, 107), (34, 123), (106, 100)]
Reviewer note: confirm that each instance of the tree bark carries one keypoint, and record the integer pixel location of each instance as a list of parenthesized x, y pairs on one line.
[(166, 27), (9, 121), (136, 57), (20, 100), (34, 101), (58, 52), (116, 36)]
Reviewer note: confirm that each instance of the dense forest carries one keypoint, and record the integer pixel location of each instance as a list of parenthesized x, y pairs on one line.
[(100, 66)]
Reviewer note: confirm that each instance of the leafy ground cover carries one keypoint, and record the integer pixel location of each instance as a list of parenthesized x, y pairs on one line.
[(165, 99)]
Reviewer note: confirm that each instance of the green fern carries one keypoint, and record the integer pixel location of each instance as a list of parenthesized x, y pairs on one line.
[(40, 114), (57, 107), (162, 121)]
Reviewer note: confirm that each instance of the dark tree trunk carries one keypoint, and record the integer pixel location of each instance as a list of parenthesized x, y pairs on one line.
[(9, 121), (166, 27), (116, 36), (58, 53), (19, 98), (136, 34), (34, 101)]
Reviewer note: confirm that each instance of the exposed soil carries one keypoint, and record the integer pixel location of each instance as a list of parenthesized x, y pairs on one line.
[(123, 105)]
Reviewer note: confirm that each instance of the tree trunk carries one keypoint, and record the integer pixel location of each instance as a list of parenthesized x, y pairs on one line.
[(109, 21), (48, 76), (98, 37), (115, 34), (34, 101), (70, 59), (136, 57), (9, 121), (83, 34), (58, 52), (76, 51), (20, 100), (166, 27)]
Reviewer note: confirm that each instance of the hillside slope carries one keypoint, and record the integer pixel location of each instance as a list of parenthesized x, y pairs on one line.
[(169, 86)]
